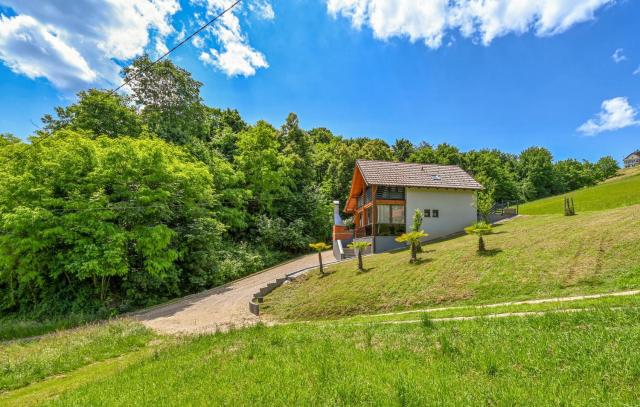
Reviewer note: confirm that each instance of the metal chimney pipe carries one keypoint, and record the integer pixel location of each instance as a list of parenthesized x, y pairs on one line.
[(337, 220)]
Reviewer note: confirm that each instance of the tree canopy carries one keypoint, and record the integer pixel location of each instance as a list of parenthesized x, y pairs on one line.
[(123, 201)]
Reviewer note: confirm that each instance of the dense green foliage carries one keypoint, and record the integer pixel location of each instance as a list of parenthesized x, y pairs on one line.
[(585, 358), (124, 201)]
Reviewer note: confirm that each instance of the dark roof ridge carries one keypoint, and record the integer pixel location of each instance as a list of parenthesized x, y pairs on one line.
[(406, 163), (396, 173)]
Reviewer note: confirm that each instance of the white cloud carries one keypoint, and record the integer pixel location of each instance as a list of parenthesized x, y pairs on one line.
[(616, 114), (84, 37), (263, 9), (618, 56), (197, 41), (85, 42), (637, 71), (28, 48), (483, 20), (234, 56), (181, 34), (236, 59)]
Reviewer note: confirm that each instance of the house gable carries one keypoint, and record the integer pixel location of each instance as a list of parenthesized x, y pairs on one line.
[(633, 156), (416, 175), (372, 173)]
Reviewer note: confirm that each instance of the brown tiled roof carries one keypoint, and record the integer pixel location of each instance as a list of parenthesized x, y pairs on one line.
[(416, 175), (637, 152)]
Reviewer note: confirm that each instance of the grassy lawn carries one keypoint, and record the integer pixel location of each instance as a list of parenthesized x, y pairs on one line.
[(530, 257), (620, 191), (16, 328), (26, 361), (589, 358), (478, 311)]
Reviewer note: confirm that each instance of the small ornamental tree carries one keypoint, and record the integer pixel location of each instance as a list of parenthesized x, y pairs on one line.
[(412, 239), (480, 229), (348, 223), (484, 204), (416, 225), (359, 247), (320, 247), (569, 209)]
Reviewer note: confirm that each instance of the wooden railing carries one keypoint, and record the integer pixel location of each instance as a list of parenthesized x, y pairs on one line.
[(341, 233), (503, 209), (364, 231)]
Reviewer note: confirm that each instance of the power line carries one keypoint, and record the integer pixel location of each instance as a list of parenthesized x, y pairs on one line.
[(177, 46), (126, 82)]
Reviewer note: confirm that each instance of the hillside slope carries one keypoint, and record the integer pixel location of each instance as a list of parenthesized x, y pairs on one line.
[(623, 190), (564, 359), (531, 256)]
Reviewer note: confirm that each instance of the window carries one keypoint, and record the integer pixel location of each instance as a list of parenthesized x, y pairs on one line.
[(387, 192), (391, 220), (397, 214), (367, 195), (436, 213), (393, 214), (384, 216), (427, 213), (369, 218)]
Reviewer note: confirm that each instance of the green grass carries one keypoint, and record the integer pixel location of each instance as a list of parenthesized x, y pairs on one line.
[(36, 393), (588, 358), (478, 311), (614, 193), (26, 361), (530, 257), (16, 327)]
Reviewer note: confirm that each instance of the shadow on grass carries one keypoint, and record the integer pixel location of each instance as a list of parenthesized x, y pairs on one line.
[(365, 270), (489, 253), (422, 261)]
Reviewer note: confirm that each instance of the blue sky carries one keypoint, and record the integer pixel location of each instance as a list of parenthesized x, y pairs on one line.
[(547, 72)]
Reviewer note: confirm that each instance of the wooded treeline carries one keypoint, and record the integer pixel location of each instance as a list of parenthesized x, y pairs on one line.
[(125, 201)]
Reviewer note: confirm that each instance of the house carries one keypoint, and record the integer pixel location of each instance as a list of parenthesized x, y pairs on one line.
[(384, 196), (632, 160)]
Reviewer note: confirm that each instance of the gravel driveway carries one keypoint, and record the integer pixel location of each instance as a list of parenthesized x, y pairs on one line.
[(222, 307)]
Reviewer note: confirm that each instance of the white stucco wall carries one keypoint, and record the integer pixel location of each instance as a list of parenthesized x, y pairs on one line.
[(457, 210)]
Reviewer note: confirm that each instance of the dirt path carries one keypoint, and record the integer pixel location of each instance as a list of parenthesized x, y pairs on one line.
[(510, 303), (501, 315), (222, 307)]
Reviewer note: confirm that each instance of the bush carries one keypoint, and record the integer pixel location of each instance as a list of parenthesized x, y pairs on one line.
[(277, 233), (91, 222)]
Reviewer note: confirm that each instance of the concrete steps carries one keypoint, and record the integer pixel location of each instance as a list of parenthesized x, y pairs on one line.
[(348, 253)]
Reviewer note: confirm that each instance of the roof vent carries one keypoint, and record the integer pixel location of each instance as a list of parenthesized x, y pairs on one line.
[(435, 177)]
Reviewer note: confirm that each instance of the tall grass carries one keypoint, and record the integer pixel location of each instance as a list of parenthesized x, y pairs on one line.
[(564, 359), (24, 362), (18, 327)]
